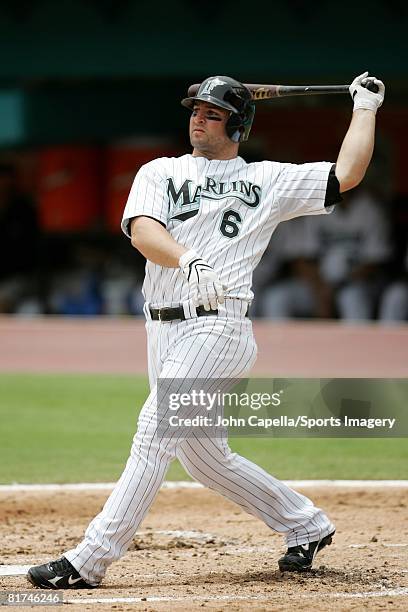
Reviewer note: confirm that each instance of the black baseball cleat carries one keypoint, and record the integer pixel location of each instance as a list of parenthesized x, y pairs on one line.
[(59, 574), (300, 558)]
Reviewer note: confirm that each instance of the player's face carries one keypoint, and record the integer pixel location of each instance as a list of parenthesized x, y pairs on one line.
[(207, 132)]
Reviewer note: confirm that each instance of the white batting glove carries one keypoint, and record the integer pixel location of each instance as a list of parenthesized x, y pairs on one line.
[(206, 287), (363, 97)]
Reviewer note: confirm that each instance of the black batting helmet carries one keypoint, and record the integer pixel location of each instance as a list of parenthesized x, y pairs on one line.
[(234, 97)]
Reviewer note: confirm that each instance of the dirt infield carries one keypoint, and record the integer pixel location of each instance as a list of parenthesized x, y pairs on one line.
[(196, 546)]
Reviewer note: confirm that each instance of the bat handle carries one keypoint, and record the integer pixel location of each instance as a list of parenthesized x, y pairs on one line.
[(371, 86)]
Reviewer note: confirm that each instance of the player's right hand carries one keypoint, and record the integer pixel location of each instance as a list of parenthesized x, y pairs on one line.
[(206, 287), (363, 97)]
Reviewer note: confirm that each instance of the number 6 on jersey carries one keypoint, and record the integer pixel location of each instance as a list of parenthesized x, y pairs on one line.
[(230, 223)]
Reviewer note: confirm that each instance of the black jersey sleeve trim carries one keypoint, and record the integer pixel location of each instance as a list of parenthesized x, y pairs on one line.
[(129, 221), (332, 189)]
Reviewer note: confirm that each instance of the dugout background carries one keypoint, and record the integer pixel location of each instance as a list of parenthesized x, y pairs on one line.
[(90, 90)]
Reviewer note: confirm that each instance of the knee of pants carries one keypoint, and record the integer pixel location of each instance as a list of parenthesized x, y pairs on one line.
[(147, 446), (198, 455)]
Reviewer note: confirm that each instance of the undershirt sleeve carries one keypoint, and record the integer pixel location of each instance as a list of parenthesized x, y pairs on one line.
[(333, 188)]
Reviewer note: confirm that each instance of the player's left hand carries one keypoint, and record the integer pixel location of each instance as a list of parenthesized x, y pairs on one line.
[(206, 287), (363, 97)]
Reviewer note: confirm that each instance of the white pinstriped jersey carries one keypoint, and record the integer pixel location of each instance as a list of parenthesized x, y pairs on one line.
[(226, 210)]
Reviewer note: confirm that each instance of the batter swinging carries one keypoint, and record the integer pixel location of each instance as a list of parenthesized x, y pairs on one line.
[(203, 221)]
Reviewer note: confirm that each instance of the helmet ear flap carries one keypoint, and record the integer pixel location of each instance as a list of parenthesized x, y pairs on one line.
[(233, 127), (239, 125)]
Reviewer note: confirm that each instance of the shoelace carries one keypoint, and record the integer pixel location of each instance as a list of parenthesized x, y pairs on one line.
[(61, 566), (300, 550)]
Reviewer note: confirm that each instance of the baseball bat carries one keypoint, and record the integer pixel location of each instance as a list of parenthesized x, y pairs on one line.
[(267, 92)]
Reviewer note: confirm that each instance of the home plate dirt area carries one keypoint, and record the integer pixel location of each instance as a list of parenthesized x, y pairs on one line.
[(196, 550)]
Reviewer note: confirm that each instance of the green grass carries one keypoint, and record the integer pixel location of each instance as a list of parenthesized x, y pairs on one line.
[(79, 428)]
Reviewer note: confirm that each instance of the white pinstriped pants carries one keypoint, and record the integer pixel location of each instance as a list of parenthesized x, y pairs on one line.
[(205, 347)]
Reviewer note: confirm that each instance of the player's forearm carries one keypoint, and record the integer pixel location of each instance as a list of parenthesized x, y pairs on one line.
[(356, 150), (155, 243)]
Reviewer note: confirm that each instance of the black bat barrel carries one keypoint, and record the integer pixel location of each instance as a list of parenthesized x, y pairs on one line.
[(302, 90)]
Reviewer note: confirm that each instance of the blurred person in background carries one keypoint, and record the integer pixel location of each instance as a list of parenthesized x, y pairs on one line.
[(333, 269), (19, 247), (394, 301), (353, 255), (121, 290), (293, 288), (77, 291)]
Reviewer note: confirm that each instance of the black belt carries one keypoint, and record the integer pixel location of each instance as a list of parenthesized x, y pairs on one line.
[(177, 313)]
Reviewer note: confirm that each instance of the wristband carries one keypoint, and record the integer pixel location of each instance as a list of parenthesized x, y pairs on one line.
[(187, 258)]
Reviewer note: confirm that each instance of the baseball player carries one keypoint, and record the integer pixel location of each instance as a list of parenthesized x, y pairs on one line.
[(202, 221)]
